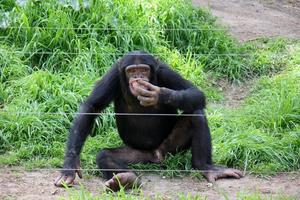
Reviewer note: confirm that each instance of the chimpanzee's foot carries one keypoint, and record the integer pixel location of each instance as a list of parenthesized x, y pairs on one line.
[(218, 173), (125, 179)]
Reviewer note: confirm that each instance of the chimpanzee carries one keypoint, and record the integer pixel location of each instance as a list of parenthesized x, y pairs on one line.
[(149, 94)]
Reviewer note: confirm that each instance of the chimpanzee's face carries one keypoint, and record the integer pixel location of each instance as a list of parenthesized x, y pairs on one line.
[(137, 72)]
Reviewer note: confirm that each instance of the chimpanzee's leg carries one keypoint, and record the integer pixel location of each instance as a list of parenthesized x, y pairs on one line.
[(179, 140), (118, 159), (190, 131), (194, 132), (201, 143), (201, 152)]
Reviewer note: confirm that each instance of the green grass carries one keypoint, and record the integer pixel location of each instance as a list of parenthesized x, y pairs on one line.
[(51, 55), (264, 134), (137, 193), (43, 31)]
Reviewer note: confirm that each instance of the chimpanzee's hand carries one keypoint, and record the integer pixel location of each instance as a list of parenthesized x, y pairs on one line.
[(147, 94), (68, 175)]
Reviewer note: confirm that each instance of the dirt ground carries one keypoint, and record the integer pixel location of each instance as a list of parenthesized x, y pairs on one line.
[(29, 185), (234, 93), (248, 20)]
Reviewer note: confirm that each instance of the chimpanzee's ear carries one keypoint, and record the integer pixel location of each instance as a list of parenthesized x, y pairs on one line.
[(158, 63), (118, 64), (157, 59)]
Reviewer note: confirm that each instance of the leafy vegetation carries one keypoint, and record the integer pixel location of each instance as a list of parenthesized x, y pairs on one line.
[(51, 55)]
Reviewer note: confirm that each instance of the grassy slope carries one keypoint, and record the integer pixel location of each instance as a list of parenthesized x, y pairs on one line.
[(264, 134), (47, 69)]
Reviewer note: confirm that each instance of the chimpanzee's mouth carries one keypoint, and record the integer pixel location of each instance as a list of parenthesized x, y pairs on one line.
[(134, 85)]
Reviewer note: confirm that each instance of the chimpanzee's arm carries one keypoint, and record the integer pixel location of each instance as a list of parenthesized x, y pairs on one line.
[(178, 92), (100, 98)]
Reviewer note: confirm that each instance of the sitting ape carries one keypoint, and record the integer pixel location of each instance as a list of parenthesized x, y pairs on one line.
[(139, 83)]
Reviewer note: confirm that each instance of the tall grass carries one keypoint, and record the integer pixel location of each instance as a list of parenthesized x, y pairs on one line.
[(264, 134), (52, 34)]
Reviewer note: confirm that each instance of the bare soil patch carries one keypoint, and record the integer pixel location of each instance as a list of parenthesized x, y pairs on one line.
[(234, 92), (248, 20), (21, 184)]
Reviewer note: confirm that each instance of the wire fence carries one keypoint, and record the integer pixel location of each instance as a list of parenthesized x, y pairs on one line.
[(119, 29), (115, 29), (143, 170), (121, 54), (113, 114), (128, 114)]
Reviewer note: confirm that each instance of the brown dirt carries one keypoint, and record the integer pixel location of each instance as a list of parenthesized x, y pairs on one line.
[(251, 19), (20, 184), (234, 93)]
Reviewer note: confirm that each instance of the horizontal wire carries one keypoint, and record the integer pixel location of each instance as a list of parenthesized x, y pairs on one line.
[(125, 114), (122, 54), (114, 29), (114, 114), (119, 29), (143, 170)]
